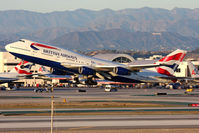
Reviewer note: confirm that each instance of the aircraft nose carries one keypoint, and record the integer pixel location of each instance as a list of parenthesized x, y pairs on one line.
[(8, 47)]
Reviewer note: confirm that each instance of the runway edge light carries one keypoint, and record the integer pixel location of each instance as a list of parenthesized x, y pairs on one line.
[(194, 105)]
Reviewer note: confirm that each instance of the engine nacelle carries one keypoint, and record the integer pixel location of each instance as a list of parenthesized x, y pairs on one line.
[(121, 71), (86, 71)]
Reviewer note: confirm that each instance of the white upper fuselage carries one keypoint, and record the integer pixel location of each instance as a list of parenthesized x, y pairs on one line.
[(29, 49)]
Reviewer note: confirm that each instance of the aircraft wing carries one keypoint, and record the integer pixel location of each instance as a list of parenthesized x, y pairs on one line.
[(143, 66), (25, 76), (132, 68), (6, 80), (58, 76), (51, 76), (190, 79), (71, 65), (108, 68)]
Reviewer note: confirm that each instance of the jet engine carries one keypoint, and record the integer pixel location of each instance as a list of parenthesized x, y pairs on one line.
[(86, 71), (121, 71)]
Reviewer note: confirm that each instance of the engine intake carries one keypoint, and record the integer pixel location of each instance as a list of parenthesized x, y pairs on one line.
[(86, 71), (121, 71)]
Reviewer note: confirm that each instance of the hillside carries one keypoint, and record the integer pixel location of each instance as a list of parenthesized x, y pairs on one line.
[(105, 29), (120, 39), (179, 20)]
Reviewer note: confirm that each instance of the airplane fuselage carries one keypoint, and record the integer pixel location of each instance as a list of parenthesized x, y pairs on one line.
[(54, 57), (70, 61)]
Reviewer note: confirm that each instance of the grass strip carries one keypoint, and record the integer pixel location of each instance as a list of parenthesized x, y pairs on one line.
[(188, 111), (85, 104)]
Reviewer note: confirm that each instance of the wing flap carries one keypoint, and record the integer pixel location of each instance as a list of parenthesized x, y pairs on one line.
[(139, 67)]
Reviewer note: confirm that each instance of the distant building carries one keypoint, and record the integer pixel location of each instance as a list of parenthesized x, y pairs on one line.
[(155, 57), (156, 33), (8, 62), (121, 58)]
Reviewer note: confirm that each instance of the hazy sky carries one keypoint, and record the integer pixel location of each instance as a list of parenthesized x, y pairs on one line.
[(62, 5)]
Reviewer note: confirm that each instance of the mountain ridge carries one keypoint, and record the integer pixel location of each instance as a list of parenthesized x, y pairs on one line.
[(180, 20), (105, 29), (123, 40)]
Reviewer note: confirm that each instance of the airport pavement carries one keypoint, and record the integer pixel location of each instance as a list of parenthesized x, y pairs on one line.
[(79, 110), (175, 97), (71, 94), (99, 122)]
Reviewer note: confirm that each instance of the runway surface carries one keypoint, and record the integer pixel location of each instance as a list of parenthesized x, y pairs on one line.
[(96, 93), (99, 122)]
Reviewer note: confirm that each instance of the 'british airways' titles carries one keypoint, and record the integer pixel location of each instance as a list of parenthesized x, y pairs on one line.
[(46, 51)]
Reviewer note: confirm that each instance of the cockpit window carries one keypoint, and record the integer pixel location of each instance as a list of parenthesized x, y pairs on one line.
[(21, 40)]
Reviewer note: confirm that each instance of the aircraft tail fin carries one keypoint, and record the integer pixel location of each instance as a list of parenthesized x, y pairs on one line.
[(192, 70), (43, 70), (23, 67), (171, 61)]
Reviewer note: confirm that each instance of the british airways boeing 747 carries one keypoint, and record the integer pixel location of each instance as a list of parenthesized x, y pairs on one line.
[(69, 61)]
